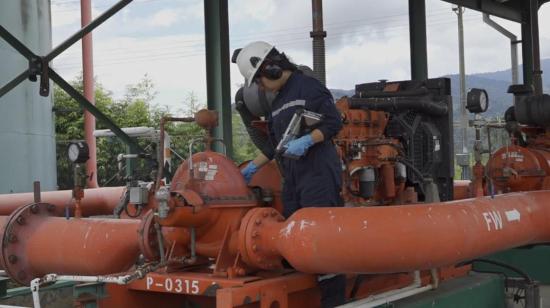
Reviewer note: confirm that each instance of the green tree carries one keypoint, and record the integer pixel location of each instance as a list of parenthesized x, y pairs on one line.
[(69, 125), (135, 109), (243, 148)]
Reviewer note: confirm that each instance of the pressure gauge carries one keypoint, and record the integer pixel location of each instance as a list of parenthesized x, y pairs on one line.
[(78, 152), (478, 101)]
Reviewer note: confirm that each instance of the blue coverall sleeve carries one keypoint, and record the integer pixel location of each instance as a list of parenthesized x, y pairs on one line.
[(323, 103)]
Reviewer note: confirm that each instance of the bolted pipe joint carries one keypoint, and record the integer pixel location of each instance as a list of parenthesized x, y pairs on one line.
[(253, 238), (162, 196)]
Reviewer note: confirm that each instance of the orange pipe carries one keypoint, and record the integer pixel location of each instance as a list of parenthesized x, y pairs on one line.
[(397, 238), (46, 245), (89, 92), (96, 201), (83, 246)]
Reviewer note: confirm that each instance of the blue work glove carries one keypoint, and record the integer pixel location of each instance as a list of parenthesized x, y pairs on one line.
[(249, 171), (298, 147)]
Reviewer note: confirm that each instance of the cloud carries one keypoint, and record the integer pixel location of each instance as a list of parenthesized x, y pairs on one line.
[(366, 41), (175, 69), (179, 14), (163, 18)]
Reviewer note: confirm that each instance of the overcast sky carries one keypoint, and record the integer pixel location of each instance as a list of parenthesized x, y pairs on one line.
[(367, 41)]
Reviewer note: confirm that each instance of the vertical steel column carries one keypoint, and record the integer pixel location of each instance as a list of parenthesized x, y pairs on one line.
[(89, 92), (417, 33), (216, 25), (530, 44), (318, 34), (535, 40), (465, 161)]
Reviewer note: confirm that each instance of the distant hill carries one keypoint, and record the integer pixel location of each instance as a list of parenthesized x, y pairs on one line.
[(495, 83)]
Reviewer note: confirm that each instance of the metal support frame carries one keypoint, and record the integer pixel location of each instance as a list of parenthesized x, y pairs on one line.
[(39, 67), (318, 35), (513, 44), (418, 42), (532, 73), (216, 26)]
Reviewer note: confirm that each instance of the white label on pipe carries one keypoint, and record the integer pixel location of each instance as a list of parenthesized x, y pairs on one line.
[(513, 215)]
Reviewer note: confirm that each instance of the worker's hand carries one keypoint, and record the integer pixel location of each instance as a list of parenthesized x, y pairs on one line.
[(249, 171), (298, 147)]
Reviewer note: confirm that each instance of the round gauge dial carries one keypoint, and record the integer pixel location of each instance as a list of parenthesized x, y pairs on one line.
[(78, 152), (477, 101)]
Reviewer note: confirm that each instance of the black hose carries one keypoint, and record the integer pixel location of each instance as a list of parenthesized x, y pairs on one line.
[(412, 167), (501, 264), (138, 208), (122, 203), (397, 104)]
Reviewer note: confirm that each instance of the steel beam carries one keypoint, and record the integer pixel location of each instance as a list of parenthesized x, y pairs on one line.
[(216, 26), (85, 104), (532, 74), (38, 66), (417, 32), (533, 7), (89, 28), (508, 9), (526, 48)]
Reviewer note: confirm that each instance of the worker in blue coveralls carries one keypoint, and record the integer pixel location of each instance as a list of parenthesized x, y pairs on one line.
[(314, 179)]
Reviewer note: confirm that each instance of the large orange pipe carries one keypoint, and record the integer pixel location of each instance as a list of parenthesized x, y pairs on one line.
[(400, 238), (83, 246), (77, 246), (97, 201)]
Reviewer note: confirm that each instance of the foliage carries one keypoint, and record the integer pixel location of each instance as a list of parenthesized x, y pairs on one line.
[(243, 148), (133, 110)]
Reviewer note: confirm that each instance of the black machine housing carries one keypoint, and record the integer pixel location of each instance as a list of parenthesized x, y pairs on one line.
[(421, 118)]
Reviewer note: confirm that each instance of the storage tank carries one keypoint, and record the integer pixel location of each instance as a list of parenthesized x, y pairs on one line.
[(27, 133)]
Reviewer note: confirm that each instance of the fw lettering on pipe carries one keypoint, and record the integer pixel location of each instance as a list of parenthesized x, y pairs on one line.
[(494, 219)]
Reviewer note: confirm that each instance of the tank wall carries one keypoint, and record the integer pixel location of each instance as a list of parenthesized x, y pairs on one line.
[(27, 132)]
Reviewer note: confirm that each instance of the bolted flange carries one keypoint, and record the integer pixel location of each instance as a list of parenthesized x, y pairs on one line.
[(148, 241), (19, 225), (251, 237)]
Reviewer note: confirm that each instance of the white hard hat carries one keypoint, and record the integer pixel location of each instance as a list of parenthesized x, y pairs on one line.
[(250, 59)]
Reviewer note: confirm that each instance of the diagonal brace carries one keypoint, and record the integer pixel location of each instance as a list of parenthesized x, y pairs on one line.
[(85, 104), (39, 66)]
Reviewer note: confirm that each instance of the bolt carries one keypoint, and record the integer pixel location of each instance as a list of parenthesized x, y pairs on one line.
[(12, 259), (255, 233), (35, 208), (20, 220), (254, 247), (51, 207), (258, 221), (265, 214), (12, 238), (241, 271)]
